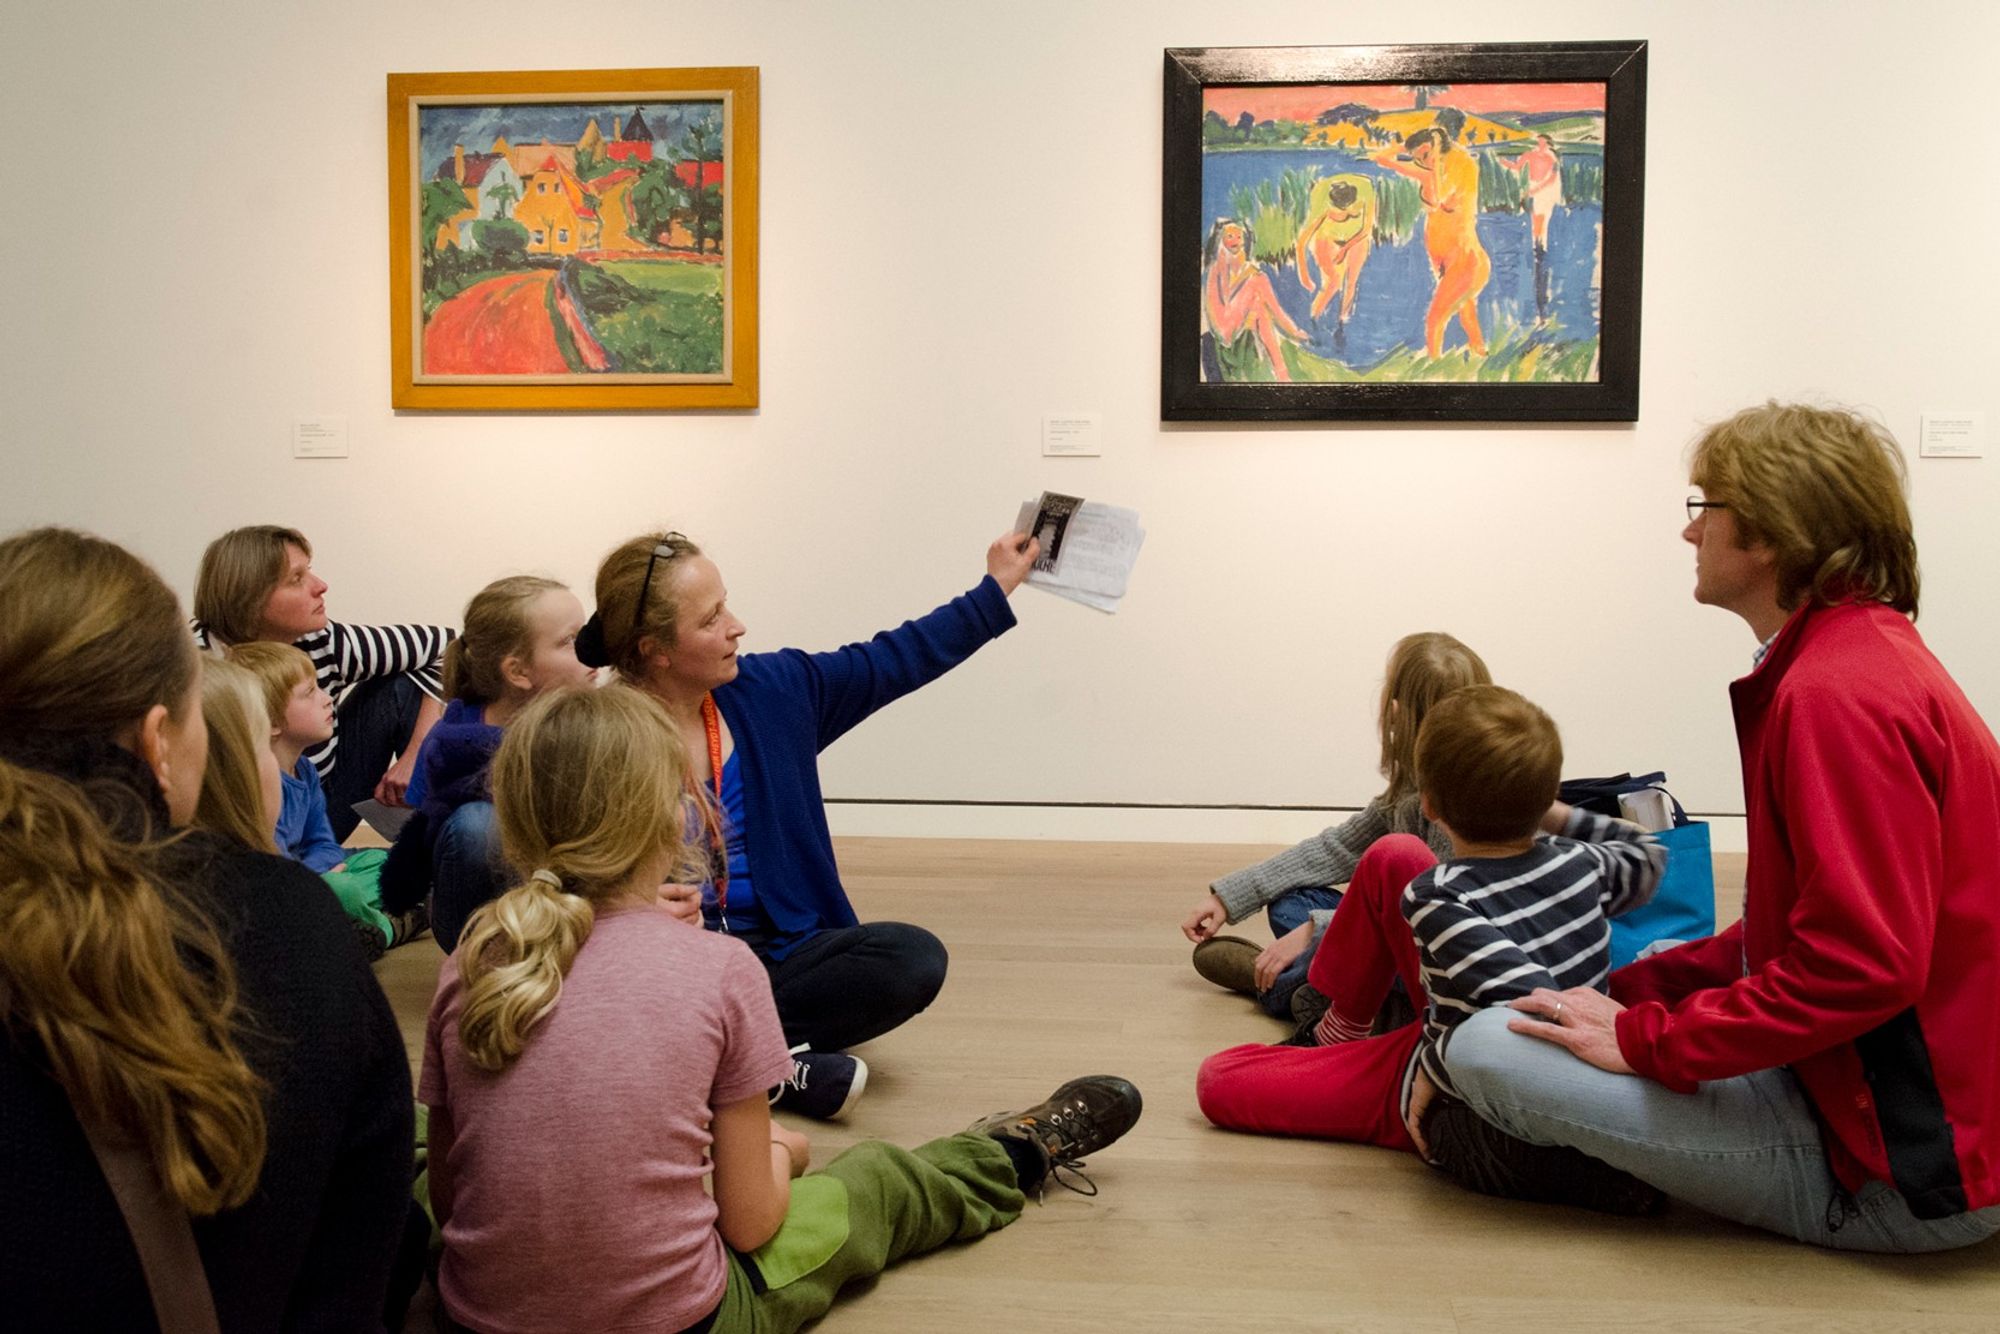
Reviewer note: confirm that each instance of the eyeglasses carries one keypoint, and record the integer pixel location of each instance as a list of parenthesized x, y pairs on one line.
[(1696, 505), (667, 548)]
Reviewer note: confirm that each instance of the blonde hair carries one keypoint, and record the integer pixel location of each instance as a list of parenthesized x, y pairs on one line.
[(121, 989), (1490, 762), (496, 628), (1824, 489), (588, 787), (232, 793), (624, 625), (238, 572), (1423, 669), (279, 668)]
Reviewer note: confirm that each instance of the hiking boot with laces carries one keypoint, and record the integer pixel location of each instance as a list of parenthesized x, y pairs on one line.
[(1079, 1118), (824, 1084)]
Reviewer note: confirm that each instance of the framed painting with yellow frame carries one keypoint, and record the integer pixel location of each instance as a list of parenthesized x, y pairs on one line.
[(573, 240)]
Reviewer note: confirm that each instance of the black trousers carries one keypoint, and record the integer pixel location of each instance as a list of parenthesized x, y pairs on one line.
[(845, 985), (374, 721)]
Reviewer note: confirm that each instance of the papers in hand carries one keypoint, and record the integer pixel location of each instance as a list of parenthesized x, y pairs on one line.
[(1097, 547)]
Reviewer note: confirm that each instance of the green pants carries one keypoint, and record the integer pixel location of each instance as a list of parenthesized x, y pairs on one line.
[(867, 1209), (359, 889)]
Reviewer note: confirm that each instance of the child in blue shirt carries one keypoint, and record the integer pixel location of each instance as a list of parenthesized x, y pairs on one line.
[(301, 715)]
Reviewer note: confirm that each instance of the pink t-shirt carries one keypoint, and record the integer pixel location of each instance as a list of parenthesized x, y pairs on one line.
[(575, 1175)]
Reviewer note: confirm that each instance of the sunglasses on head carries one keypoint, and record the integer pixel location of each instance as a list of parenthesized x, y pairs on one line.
[(666, 549)]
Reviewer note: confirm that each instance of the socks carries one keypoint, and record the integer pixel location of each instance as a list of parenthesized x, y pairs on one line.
[(1030, 1164), (1332, 1028)]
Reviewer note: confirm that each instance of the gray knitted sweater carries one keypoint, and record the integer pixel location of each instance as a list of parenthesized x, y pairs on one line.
[(1327, 858)]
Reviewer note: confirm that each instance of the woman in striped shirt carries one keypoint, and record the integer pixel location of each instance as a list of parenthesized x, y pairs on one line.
[(258, 583)]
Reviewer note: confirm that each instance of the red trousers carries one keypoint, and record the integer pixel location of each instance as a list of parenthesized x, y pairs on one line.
[(1352, 1090)]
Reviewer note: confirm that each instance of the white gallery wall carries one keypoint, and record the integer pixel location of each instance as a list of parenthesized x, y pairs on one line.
[(960, 237)]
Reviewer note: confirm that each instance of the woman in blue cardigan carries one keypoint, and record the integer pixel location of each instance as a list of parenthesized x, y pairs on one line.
[(754, 725)]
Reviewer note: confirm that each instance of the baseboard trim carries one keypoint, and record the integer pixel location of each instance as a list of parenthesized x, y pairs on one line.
[(1122, 823)]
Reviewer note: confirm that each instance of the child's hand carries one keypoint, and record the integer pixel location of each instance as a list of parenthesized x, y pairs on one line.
[(1208, 917), (795, 1144), (396, 782), (683, 901), (1422, 1091), (1280, 954)]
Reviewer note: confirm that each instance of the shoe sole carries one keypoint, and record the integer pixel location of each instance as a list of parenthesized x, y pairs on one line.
[(853, 1090)]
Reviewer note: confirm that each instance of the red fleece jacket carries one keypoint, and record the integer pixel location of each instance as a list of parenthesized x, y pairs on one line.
[(1868, 957)]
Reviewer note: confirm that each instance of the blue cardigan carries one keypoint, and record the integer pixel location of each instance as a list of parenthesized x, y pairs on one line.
[(784, 708)]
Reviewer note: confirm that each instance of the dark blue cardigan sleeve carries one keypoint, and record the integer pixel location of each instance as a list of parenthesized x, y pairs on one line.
[(847, 684)]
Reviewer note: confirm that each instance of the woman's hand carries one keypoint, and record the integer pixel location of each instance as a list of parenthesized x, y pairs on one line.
[(683, 901), (1580, 1019), (797, 1146), (1010, 558), (1280, 955), (1208, 917)]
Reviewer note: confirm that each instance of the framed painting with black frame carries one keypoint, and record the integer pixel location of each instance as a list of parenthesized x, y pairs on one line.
[(1444, 233)]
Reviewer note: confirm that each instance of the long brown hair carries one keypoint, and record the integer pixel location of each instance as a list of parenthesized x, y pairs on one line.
[(123, 991), (1423, 669), (588, 787)]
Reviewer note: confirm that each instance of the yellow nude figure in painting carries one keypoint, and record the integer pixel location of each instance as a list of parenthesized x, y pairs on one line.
[(1339, 232), (1447, 177)]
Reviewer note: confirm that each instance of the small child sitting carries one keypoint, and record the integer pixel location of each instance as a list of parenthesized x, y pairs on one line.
[(301, 717), (1508, 912), (1300, 887)]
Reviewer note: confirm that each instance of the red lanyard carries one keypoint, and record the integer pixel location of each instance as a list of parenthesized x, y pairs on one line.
[(711, 720)]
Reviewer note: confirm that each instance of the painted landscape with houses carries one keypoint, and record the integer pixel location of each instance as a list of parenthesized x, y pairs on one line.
[(573, 238)]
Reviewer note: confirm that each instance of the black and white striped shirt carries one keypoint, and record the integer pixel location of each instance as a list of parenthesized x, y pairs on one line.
[(343, 656), (1490, 929)]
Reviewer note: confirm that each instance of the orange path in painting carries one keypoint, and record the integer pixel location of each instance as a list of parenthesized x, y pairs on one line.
[(498, 327)]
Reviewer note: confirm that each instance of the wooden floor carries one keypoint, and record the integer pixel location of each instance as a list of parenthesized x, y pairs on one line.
[(1065, 960)]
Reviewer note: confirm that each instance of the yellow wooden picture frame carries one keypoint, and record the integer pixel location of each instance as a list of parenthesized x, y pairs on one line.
[(573, 240)]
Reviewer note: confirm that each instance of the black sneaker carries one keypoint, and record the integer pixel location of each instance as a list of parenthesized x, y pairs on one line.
[(824, 1084), (1485, 1158), (372, 945), (1079, 1118)]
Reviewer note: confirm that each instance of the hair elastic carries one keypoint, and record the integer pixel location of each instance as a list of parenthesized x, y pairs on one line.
[(547, 877)]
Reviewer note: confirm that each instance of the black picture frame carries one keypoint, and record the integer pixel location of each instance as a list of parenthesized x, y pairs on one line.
[(1188, 394)]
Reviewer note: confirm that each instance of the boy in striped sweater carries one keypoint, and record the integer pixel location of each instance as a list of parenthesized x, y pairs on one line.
[(1523, 902)]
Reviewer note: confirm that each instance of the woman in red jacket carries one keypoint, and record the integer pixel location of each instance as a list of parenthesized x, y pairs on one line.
[(1829, 1067)]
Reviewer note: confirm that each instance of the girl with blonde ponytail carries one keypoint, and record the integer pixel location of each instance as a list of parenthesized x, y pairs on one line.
[(176, 1000), (590, 1059)]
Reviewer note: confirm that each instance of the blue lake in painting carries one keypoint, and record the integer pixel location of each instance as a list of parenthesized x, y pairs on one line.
[(1396, 283)]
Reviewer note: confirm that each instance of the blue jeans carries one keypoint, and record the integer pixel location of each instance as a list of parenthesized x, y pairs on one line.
[(1747, 1149), (467, 870), (1287, 913)]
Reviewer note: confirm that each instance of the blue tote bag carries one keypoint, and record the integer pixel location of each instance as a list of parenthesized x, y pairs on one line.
[(1683, 908)]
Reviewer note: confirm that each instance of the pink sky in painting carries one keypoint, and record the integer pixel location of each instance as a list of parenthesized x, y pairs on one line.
[(1306, 101)]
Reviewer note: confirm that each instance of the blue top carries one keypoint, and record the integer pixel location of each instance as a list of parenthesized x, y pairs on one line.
[(746, 916), (451, 771), (304, 833), (784, 708)]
